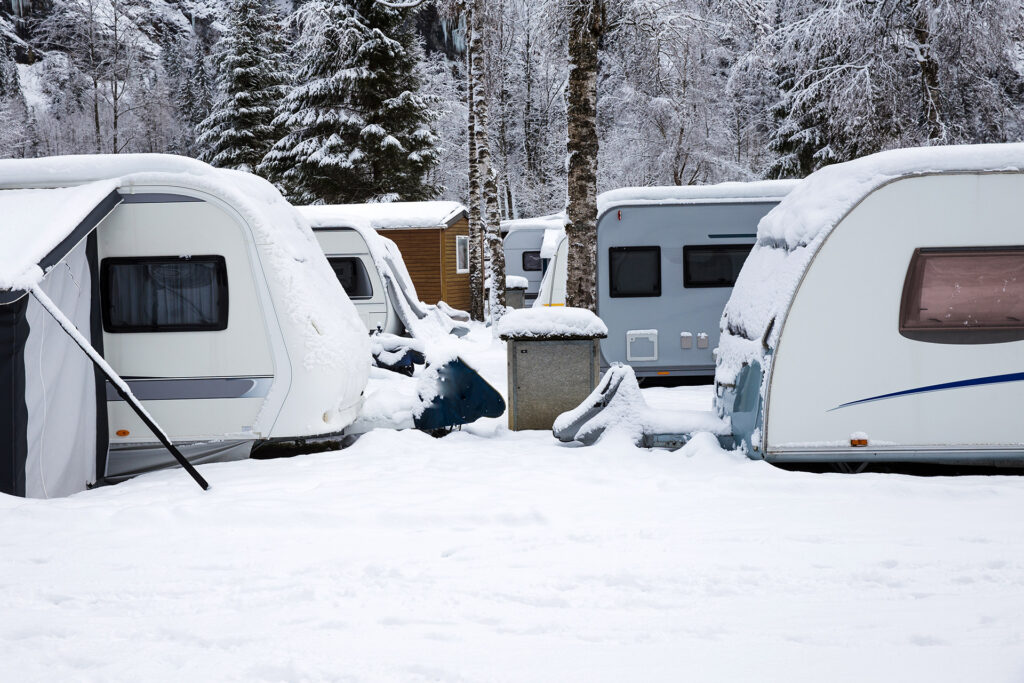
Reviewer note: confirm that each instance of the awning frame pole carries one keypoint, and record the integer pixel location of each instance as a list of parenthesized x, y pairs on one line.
[(122, 388)]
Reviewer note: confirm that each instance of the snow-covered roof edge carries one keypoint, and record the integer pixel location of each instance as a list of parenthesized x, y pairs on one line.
[(768, 190), (555, 220), (404, 215)]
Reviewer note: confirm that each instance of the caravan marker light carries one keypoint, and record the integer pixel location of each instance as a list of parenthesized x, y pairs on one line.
[(122, 432)]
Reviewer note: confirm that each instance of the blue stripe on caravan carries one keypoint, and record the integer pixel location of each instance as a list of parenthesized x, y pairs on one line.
[(978, 381)]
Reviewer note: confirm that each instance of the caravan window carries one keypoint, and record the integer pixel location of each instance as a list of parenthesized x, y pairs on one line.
[(532, 261), (964, 295), (461, 253), (353, 276), (634, 271), (714, 265), (164, 294)]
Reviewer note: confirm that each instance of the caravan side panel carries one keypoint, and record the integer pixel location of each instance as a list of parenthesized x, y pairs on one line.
[(842, 368)]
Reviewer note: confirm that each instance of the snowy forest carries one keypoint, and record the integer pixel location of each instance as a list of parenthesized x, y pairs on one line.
[(359, 100)]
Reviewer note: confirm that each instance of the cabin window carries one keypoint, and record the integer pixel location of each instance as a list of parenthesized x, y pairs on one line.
[(964, 296), (461, 253), (353, 276), (713, 265), (634, 271), (164, 294), (532, 261)]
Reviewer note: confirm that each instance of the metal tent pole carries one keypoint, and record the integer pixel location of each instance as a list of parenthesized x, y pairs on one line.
[(119, 384)]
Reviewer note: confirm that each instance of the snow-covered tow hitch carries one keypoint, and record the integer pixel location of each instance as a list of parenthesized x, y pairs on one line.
[(617, 403)]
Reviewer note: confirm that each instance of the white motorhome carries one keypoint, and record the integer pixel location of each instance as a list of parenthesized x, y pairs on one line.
[(523, 246), (881, 315), (202, 288)]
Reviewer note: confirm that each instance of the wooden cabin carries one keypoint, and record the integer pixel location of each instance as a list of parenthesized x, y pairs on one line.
[(434, 240)]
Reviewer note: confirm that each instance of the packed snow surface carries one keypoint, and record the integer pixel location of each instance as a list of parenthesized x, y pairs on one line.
[(497, 556), (681, 194), (36, 221), (791, 233), (394, 215), (551, 322)]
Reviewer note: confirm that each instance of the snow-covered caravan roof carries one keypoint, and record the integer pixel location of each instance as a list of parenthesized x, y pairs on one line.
[(554, 221), (790, 235), (685, 194), (552, 238), (404, 215), (331, 330)]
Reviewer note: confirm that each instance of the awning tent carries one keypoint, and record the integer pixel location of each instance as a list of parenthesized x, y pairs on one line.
[(52, 375)]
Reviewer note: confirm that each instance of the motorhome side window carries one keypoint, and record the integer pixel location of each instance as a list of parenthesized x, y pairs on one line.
[(964, 295), (713, 265), (353, 276), (164, 294), (461, 253), (634, 271), (532, 261)]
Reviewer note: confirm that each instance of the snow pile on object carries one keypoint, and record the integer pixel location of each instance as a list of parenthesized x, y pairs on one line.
[(36, 221), (682, 194), (516, 282), (397, 215), (790, 235), (559, 323), (617, 407)]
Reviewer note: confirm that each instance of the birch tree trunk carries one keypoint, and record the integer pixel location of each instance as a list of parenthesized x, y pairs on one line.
[(586, 23), (476, 240), (492, 221)]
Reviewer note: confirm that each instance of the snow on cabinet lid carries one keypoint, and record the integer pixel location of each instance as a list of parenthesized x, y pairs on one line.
[(37, 221), (404, 215), (551, 323), (683, 194)]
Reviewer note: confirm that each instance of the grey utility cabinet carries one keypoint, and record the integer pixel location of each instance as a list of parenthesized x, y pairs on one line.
[(515, 297), (550, 371)]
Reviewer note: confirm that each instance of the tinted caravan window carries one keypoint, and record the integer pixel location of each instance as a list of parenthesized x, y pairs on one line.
[(713, 265), (964, 295), (634, 271), (164, 294), (532, 260), (353, 276)]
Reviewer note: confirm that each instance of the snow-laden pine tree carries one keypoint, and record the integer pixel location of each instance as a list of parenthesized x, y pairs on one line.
[(16, 129), (195, 97), (239, 131), (356, 126)]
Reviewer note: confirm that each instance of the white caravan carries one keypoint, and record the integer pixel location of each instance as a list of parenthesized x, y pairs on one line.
[(371, 269), (555, 253), (881, 315), (202, 288), (523, 246)]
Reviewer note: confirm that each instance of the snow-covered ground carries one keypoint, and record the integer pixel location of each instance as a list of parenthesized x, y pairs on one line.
[(494, 556)]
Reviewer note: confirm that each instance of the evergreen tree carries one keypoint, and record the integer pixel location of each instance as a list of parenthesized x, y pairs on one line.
[(356, 127), (18, 136), (240, 131), (195, 96)]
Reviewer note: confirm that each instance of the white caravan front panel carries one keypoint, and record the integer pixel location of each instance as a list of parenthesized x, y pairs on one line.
[(374, 309), (195, 370), (841, 343)]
